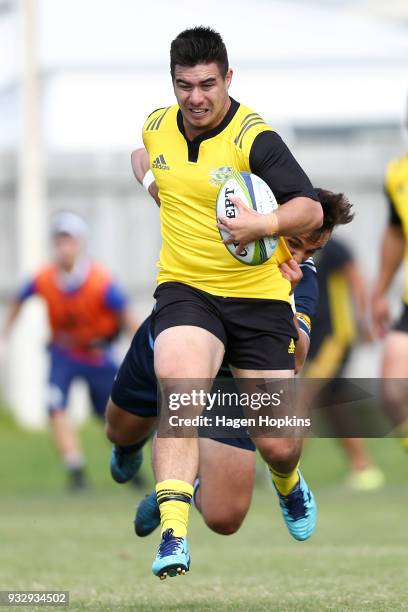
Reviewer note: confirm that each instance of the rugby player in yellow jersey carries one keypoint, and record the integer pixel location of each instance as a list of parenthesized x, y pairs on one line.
[(207, 303), (394, 250), (223, 491)]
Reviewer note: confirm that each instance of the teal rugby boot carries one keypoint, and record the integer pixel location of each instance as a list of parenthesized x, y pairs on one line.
[(173, 557), (299, 510), (147, 517), (125, 463)]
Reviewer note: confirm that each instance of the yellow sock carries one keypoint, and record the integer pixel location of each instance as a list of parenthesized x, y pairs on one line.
[(174, 499), (285, 482)]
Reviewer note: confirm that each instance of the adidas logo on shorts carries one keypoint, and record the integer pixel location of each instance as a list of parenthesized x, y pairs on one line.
[(292, 346), (160, 163)]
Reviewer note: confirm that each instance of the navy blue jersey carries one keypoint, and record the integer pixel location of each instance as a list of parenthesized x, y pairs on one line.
[(306, 296)]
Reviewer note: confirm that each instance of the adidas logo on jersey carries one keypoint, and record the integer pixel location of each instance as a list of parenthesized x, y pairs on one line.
[(160, 163), (292, 346)]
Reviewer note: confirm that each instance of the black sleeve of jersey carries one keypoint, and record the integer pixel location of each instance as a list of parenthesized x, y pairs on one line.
[(271, 160), (393, 216)]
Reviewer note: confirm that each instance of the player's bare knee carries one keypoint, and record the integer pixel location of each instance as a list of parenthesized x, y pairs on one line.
[(117, 435), (225, 518), (225, 523), (281, 452)]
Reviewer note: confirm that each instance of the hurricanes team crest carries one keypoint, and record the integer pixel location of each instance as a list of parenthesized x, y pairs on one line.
[(219, 175)]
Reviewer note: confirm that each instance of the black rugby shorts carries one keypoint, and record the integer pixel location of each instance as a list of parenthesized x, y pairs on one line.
[(258, 334)]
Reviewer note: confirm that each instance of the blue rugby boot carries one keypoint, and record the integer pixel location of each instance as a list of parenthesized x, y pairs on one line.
[(125, 462), (299, 510), (173, 557), (147, 515)]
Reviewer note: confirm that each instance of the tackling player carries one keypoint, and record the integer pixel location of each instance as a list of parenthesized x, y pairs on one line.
[(208, 305), (86, 310), (226, 472)]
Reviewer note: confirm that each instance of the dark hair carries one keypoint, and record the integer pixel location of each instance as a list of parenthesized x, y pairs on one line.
[(200, 45), (336, 209)]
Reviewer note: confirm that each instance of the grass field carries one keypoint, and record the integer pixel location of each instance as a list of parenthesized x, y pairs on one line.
[(357, 560)]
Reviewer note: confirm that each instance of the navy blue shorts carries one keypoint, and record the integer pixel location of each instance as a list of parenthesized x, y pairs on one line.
[(65, 369), (135, 387)]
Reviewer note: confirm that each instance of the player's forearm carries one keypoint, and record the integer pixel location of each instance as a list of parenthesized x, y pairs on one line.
[(392, 253), (303, 342), (302, 349), (141, 170), (154, 192), (298, 216)]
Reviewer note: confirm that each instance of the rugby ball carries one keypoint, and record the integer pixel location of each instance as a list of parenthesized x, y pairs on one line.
[(256, 194)]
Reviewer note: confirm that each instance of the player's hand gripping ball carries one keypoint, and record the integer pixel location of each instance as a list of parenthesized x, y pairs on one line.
[(257, 196)]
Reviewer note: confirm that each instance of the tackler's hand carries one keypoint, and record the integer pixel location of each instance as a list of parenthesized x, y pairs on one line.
[(292, 272)]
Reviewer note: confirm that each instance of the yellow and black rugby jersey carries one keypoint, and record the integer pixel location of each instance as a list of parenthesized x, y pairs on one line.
[(396, 189), (188, 175)]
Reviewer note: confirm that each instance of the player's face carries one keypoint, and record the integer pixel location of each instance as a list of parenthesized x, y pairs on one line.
[(202, 95), (67, 250), (306, 245)]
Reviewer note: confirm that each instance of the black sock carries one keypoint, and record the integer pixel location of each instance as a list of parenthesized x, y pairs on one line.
[(77, 479), (77, 473)]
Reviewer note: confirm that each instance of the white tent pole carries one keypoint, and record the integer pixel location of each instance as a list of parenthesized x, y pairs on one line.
[(27, 359)]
